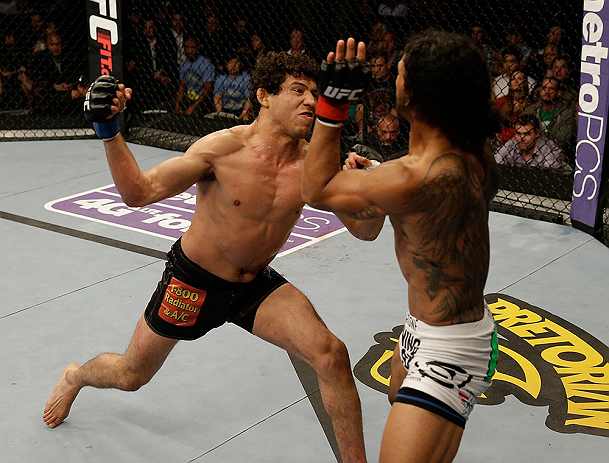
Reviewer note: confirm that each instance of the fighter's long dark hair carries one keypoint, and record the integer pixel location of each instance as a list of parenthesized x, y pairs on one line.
[(271, 70), (448, 82)]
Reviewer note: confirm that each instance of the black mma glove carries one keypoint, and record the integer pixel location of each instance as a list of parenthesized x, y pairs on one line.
[(339, 84), (97, 107)]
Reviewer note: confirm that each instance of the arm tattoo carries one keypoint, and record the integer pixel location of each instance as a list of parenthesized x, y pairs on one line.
[(366, 214), (454, 243)]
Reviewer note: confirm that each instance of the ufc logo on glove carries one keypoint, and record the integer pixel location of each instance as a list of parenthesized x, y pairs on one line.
[(341, 93)]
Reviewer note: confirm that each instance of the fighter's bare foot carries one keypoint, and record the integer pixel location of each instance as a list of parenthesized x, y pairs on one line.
[(58, 405)]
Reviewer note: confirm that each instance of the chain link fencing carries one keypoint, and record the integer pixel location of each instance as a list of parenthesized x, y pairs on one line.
[(43, 69), (189, 63)]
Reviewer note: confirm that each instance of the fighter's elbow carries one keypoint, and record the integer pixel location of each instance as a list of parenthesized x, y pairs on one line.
[(134, 200), (364, 230), (367, 236), (134, 197), (311, 198)]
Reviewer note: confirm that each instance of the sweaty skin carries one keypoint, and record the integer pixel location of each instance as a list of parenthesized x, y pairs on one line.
[(248, 200), (241, 222), (435, 200), (441, 240)]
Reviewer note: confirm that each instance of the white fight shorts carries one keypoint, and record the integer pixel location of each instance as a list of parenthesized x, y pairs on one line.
[(448, 367)]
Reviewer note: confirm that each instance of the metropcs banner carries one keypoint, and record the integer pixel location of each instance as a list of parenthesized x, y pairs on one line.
[(592, 116), (105, 38)]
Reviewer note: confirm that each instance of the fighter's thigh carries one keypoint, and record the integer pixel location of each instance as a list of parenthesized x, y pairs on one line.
[(287, 319), (398, 373), (147, 350), (416, 435)]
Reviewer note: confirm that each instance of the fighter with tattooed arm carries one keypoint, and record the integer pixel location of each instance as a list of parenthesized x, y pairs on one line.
[(437, 199)]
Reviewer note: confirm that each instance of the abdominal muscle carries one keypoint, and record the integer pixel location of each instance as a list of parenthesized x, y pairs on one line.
[(234, 247)]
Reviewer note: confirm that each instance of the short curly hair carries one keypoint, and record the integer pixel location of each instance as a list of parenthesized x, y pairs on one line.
[(271, 70)]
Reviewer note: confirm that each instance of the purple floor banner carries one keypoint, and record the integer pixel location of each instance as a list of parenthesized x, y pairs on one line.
[(171, 217), (592, 116)]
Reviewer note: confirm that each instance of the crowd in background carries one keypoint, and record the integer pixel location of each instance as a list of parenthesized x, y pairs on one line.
[(195, 58)]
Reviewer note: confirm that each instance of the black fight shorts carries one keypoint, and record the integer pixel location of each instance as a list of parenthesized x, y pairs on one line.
[(189, 301)]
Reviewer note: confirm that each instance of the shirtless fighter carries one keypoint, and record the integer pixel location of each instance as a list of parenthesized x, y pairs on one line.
[(248, 199), (437, 200)]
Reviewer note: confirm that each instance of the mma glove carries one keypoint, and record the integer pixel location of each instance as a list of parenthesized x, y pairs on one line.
[(97, 107), (339, 84)]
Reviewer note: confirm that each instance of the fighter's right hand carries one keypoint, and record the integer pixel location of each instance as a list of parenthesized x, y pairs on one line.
[(104, 100)]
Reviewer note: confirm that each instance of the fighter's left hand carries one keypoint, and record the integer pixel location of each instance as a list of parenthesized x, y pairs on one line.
[(122, 95), (348, 52)]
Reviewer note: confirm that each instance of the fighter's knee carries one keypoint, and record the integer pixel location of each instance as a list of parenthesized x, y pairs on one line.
[(131, 382), (333, 357)]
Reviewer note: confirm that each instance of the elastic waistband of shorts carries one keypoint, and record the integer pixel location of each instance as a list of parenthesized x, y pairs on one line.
[(191, 270), (486, 322)]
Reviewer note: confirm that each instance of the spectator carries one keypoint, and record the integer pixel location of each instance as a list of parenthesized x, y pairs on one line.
[(553, 39), (556, 116), (162, 17), (387, 138), (390, 47), (34, 36), (197, 75), (11, 56), (258, 47), (511, 59), (256, 50), (134, 21), (541, 66), (377, 38), (214, 42), (563, 71), (153, 67), (513, 104), (12, 61), (513, 38), (239, 38), (231, 91), (54, 75), (297, 45), (479, 36), (178, 34), (528, 147), (554, 35), (380, 97), (50, 29)]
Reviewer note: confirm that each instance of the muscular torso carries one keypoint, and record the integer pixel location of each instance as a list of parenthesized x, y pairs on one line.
[(247, 205), (442, 240)]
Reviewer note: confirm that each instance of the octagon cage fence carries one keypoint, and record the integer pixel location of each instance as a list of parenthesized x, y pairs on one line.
[(189, 64)]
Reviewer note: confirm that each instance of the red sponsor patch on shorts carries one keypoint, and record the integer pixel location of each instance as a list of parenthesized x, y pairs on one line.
[(181, 303)]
